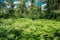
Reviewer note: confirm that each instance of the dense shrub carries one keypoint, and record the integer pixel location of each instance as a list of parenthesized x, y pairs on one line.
[(57, 13), (27, 29), (34, 12), (4, 13)]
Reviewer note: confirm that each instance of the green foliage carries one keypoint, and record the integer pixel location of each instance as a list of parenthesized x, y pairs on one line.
[(20, 11), (23, 12), (27, 29), (4, 12), (51, 5), (33, 12)]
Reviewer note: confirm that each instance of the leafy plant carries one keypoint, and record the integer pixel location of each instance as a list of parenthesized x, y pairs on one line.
[(27, 29)]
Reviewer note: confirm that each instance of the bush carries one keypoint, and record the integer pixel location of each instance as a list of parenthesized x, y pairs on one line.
[(23, 12), (4, 13), (27, 29), (34, 12)]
